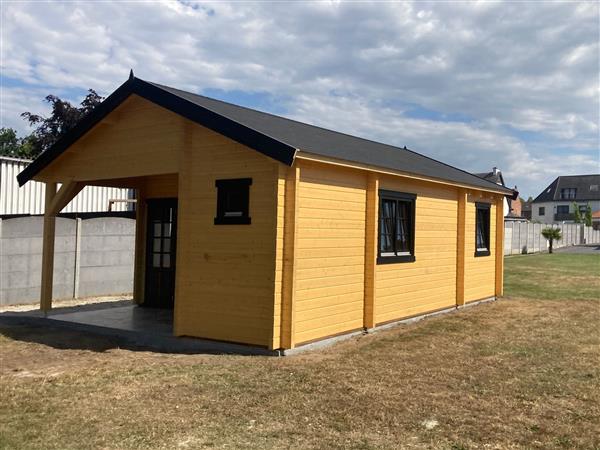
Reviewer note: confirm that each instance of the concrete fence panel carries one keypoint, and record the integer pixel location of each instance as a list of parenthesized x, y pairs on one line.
[(92, 257), (526, 237), (106, 259)]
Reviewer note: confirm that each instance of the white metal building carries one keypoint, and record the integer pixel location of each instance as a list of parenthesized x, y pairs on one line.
[(29, 199)]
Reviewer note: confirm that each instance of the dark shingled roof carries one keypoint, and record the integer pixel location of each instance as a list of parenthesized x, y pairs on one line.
[(583, 183), (272, 135)]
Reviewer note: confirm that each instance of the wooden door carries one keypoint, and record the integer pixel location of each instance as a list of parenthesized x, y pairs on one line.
[(161, 241)]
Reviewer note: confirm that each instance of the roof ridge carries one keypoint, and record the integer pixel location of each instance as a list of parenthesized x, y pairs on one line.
[(162, 86), (583, 175), (279, 117)]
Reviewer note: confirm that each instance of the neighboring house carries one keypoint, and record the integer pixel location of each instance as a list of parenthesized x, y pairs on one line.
[(556, 202), (516, 207), (512, 207), (29, 199), (526, 209), (265, 231)]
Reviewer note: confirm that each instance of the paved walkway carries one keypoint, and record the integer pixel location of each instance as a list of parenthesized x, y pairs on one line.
[(592, 249)]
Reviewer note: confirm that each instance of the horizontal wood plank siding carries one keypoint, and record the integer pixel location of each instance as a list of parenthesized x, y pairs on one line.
[(226, 274), (139, 138), (480, 272), (330, 251), (429, 283), (161, 186)]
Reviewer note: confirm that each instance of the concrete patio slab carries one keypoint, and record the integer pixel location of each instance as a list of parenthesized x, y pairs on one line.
[(131, 324)]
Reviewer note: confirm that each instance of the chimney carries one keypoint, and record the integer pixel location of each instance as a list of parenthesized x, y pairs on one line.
[(495, 170)]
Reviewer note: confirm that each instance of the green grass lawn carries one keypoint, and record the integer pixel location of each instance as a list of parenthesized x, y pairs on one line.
[(559, 276), (521, 372)]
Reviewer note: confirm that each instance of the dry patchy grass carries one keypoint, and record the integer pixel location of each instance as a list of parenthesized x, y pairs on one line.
[(518, 373)]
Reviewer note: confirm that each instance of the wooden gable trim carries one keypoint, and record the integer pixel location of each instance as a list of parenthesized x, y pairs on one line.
[(242, 134)]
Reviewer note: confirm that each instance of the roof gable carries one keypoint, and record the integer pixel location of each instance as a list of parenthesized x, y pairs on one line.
[(223, 125), (274, 136), (582, 183), (153, 136)]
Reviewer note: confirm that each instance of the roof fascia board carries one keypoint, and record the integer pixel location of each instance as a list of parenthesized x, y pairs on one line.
[(266, 145), (354, 165), (87, 123)]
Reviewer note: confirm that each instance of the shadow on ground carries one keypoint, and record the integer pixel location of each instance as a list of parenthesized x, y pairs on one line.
[(62, 339), (111, 325)]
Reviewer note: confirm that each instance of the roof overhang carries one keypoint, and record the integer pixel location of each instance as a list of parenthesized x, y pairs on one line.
[(260, 142), (219, 123), (493, 187)]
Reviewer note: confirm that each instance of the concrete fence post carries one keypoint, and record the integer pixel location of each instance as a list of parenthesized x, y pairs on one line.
[(77, 262)]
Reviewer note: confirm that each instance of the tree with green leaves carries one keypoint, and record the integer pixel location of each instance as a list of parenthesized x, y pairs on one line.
[(14, 146), (588, 215), (47, 130), (576, 213), (552, 234), (64, 117)]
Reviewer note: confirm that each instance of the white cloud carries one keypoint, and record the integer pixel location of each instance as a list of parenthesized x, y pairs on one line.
[(514, 68)]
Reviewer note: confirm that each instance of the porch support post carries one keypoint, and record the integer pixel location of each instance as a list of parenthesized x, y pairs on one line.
[(48, 249), (372, 211), (500, 246), (290, 233), (140, 247), (460, 247)]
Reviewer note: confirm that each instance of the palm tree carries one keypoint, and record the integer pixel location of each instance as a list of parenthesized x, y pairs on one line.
[(552, 234)]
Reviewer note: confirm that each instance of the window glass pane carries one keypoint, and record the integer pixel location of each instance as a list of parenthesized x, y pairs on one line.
[(156, 245), (562, 209), (156, 260), (166, 260), (157, 228), (166, 245), (167, 229), (402, 230), (234, 203), (386, 226), (482, 228)]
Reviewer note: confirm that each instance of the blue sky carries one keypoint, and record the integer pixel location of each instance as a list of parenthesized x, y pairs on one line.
[(474, 84)]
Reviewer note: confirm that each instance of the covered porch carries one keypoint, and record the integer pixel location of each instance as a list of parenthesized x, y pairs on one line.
[(155, 239), (128, 325)]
